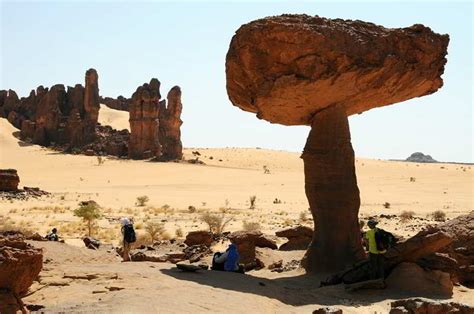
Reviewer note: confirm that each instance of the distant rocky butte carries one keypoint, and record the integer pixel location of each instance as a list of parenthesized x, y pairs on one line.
[(420, 157), (309, 70), (67, 120)]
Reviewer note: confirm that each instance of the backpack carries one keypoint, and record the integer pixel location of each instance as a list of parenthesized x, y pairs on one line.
[(129, 234), (384, 240)]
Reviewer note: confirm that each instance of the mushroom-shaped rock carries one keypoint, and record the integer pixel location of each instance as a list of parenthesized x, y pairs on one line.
[(303, 70), (299, 238)]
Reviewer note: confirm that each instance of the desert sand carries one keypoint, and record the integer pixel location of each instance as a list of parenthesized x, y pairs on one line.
[(224, 184)]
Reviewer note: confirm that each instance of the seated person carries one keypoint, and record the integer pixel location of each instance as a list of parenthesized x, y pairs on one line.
[(52, 236), (227, 261)]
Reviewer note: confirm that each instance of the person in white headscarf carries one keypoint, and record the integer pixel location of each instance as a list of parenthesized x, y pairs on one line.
[(128, 234)]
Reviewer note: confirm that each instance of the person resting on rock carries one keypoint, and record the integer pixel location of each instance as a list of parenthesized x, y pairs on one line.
[(53, 235), (227, 261)]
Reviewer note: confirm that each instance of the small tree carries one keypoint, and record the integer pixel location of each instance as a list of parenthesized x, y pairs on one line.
[(89, 212), (216, 223), (154, 230), (142, 200)]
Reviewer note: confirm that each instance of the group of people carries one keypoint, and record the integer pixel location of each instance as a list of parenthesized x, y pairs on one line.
[(229, 260)]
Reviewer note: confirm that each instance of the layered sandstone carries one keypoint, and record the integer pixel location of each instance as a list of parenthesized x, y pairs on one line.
[(20, 264), (9, 180), (303, 70), (144, 123), (55, 116), (170, 125)]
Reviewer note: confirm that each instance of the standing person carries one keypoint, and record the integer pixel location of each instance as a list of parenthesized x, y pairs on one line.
[(376, 257), (129, 237)]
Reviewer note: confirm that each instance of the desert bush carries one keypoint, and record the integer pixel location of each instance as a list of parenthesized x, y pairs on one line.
[(251, 226), (191, 209), (142, 200), (266, 170), (179, 233), (412, 179), (386, 205), (287, 222), (155, 230), (142, 239), (216, 223), (253, 200), (438, 215), (89, 212), (406, 215)]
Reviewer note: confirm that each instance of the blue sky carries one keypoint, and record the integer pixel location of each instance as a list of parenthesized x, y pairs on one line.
[(185, 43)]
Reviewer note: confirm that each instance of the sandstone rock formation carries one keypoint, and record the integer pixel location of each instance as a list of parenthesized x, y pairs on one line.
[(303, 70), (9, 180), (144, 123), (56, 115), (170, 126), (299, 238), (20, 264)]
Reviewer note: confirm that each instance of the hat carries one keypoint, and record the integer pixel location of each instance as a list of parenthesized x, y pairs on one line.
[(125, 221)]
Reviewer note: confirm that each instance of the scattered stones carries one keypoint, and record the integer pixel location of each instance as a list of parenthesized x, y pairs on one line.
[(299, 238), (426, 306), (327, 310), (194, 253)]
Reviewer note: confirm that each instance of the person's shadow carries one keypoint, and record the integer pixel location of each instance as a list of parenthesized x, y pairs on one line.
[(298, 290)]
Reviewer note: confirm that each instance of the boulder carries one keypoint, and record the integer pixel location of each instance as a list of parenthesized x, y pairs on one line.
[(426, 306), (264, 241), (9, 180), (411, 279), (20, 264), (299, 238), (305, 70), (199, 237), (246, 243), (327, 310)]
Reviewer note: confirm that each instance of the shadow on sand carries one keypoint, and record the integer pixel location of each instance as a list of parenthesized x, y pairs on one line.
[(296, 291)]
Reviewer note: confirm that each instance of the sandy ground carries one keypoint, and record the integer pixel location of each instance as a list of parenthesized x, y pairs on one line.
[(223, 186)]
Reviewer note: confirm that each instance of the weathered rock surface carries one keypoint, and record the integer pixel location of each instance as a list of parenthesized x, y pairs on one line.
[(411, 279), (299, 238), (427, 306), (327, 310), (20, 264), (286, 68), (170, 126), (246, 243), (144, 124), (9, 180), (303, 70), (198, 238), (56, 116), (456, 258)]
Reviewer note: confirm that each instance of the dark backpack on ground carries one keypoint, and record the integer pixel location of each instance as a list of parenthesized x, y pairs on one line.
[(129, 234), (384, 239)]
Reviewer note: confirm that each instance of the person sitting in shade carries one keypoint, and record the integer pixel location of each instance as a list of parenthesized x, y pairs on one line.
[(53, 235), (227, 261)]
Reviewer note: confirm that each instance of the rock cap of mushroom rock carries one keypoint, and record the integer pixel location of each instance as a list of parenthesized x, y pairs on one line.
[(287, 68)]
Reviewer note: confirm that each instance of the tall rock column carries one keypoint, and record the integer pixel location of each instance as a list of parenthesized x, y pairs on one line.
[(91, 104), (144, 122), (170, 126), (332, 192)]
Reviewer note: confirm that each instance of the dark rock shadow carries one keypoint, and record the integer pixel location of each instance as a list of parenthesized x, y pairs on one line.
[(21, 143), (296, 291)]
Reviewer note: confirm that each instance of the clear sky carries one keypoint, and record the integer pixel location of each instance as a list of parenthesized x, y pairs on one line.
[(185, 43)]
